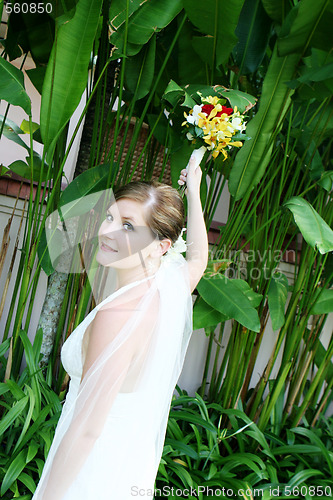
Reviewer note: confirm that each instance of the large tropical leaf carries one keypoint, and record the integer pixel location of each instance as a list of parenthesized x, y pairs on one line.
[(224, 295), (12, 132), (277, 298), (67, 70), (315, 18), (139, 70), (324, 303), (75, 200), (12, 86), (217, 18), (253, 158), (314, 229), (253, 32), (205, 315), (144, 19), (276, 9)]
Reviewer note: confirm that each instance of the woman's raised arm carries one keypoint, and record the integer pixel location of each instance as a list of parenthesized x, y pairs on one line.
[(196, 240)]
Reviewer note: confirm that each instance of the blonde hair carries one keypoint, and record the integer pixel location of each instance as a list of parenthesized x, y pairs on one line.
[(164, 206)]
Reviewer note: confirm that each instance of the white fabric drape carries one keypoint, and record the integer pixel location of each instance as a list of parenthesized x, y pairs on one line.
[(110, 436)]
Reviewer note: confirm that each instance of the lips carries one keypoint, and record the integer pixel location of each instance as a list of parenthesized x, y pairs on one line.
[(106, 248)]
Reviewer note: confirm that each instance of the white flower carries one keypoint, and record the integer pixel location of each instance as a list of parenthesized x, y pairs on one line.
[(220, 135), (236, 123), (177, 248), (189, 136), (194, 117)]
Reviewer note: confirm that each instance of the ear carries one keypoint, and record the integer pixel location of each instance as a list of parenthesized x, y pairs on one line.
[(161, 248)]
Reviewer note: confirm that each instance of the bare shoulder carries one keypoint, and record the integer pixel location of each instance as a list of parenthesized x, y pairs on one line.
[(113, 316), (109, 323)]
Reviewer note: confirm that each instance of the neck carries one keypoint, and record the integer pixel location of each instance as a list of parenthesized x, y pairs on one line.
[(127, 276)]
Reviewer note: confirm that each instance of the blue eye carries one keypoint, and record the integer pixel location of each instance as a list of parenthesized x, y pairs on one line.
[(109, 217), (128, 226)]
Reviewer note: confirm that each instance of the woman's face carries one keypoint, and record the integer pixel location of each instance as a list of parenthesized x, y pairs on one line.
[(124, 238)]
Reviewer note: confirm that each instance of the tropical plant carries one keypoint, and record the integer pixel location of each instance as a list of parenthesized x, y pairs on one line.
[(29, 413), (277, 52), (204, 459)]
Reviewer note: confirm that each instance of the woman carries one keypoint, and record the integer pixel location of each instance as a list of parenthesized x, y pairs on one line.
[(125, 358)]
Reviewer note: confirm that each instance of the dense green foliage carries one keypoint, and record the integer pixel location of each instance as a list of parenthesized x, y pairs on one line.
[(133, 60)]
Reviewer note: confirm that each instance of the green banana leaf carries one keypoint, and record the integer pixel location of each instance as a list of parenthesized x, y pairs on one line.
[(276, 9), (253, 158), (253, 32), (314, 229), (324, 303), (34, 172), (75, 200), (226, 297), (311, 16), (277, 298), (144, 19), (139, 70), (12, 88), (205, 315), (67, 71), (217, 18), (13, 132)]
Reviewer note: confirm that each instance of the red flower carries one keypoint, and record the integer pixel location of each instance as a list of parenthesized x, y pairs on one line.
[(207, 108), (227, 111)]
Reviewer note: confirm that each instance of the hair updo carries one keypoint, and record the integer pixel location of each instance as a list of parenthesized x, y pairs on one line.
[(164, 207)]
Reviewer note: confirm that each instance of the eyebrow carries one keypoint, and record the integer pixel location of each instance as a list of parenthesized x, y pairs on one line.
[(123, 217), (128, 218)]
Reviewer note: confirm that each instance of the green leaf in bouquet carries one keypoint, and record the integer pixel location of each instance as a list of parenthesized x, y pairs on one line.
[(198, 132), (174, 94), (243, 101)]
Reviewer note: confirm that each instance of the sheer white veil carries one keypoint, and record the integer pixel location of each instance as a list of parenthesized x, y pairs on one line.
[(111, 432)]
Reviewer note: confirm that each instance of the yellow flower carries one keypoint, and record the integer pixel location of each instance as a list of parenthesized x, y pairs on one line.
[(213, 100)]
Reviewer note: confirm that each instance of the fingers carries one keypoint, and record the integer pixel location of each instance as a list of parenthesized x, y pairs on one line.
[(182, 177)]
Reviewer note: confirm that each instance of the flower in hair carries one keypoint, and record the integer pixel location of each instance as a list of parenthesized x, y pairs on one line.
[(178, 247)]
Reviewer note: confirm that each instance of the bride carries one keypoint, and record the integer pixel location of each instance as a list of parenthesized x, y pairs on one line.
[(125, 358)]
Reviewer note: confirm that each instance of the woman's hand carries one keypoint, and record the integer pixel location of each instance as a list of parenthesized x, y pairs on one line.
[(192, 174)]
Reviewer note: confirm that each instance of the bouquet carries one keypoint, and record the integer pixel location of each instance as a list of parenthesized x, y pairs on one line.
[(217, 127)]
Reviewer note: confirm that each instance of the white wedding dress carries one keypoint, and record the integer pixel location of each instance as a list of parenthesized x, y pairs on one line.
[(122, 460)]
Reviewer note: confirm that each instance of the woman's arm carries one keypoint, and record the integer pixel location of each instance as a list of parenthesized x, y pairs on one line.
[(196, 239)]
